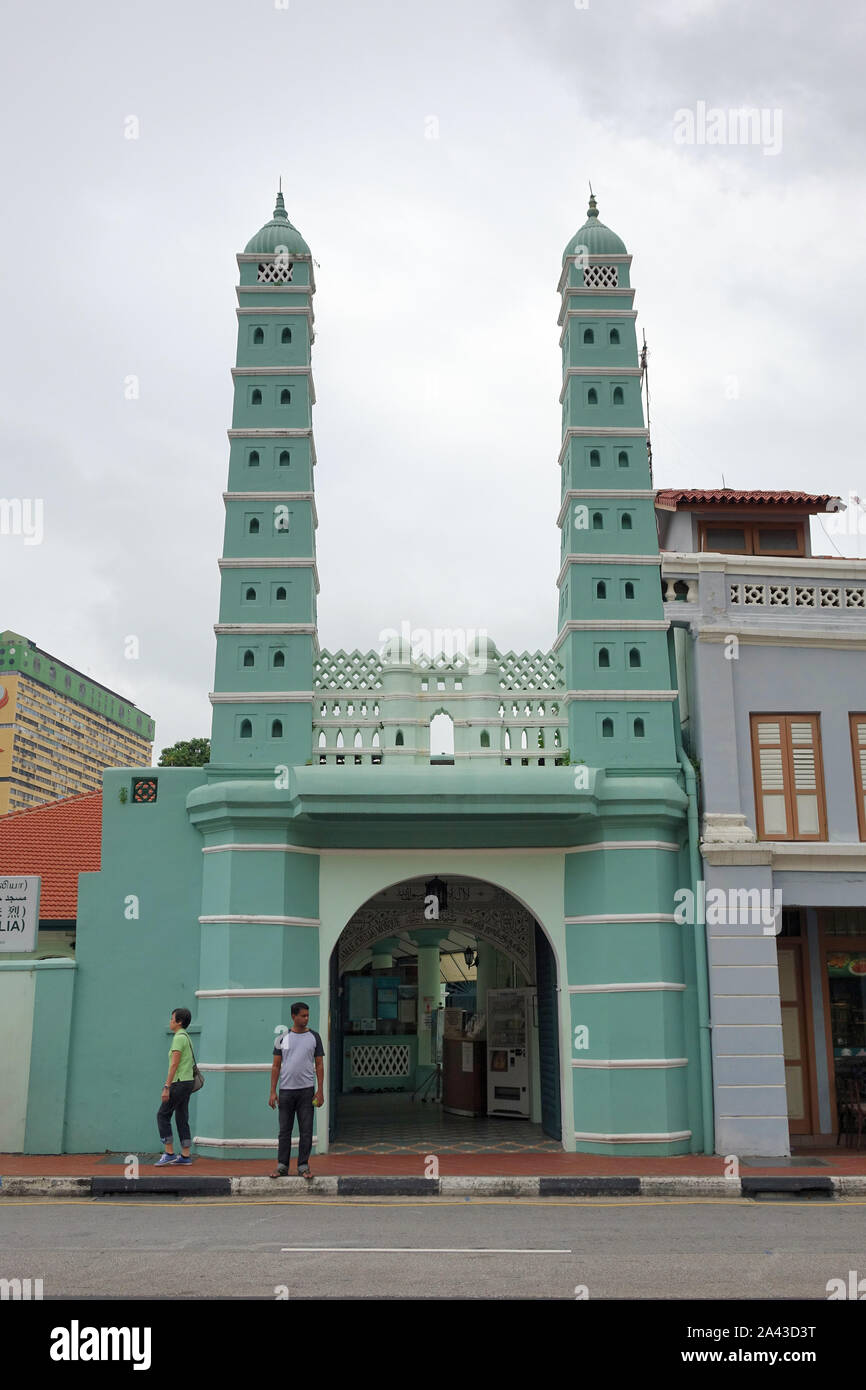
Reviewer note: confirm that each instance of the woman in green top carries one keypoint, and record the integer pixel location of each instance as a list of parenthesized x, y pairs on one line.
[(176, 1091)]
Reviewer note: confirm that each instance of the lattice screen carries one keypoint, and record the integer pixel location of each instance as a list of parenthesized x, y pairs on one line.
[(274, 273), (601, 277), (380, 1059)]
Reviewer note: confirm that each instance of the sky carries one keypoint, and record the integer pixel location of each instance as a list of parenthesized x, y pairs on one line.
[(437, 160)]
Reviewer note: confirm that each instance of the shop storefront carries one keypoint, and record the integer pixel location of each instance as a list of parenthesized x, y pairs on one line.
[(822, 989)]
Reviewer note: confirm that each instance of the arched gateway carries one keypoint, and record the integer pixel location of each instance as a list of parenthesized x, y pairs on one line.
[(443, 991)]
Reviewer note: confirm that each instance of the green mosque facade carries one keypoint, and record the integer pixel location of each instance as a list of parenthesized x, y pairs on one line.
[(563, 822)]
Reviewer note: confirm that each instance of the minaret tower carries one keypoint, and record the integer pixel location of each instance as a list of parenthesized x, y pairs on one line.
[(266, 634), (611, 629)]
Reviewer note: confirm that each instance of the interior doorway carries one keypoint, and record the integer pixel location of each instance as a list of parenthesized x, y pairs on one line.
[(444, 1032)]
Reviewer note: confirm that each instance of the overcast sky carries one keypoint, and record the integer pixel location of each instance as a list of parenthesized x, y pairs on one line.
[(436, 159)]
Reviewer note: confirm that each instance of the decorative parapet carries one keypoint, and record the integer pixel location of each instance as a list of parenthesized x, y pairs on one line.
[(760, 586), (508, 708)]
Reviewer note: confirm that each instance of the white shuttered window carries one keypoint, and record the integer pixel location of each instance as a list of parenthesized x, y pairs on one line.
[(789, 778)]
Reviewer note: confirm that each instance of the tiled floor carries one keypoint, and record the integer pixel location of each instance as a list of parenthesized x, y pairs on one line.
[(395, 1124)]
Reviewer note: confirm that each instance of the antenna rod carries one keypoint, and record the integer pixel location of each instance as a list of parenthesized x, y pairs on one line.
[(644, 374)]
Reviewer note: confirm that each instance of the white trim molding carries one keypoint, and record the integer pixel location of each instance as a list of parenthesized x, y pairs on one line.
[(613, 624), (614, 1062), (255, 993), (621, 695), (608, 917), (264, 629), (256, 848), (234, 1066), (802, 856), (270, 1143), (259, 697), (624, 844), (626, 988), (275, 371), (256, 919), (670, 1138)]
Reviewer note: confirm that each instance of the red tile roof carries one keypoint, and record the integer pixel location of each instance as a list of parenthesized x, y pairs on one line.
[(58, 840), (669, 499)]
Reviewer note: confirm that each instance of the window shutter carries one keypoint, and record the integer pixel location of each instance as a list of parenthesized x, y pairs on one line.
[(789, 780), (773, 809), (807, 806), (858, 746)]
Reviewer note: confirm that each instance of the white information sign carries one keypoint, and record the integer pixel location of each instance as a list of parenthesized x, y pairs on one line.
[(19, 911)]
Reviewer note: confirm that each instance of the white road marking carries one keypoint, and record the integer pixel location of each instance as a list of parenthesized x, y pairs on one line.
[(417, 1250)]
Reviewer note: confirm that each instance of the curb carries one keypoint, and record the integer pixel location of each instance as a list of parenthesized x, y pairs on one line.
[(567, 1186)]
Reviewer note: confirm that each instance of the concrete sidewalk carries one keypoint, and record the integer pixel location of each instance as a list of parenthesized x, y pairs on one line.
[(829, 1173)]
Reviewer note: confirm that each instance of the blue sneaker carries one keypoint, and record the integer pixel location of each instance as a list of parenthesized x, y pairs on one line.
[(166, 1158), (180, 1159)]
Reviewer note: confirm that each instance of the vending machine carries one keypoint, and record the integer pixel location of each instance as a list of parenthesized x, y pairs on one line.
[(509, 1019)]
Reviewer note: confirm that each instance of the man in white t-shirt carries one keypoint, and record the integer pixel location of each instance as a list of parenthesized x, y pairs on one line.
[(299, 1068)]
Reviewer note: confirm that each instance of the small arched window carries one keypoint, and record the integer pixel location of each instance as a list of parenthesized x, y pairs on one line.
[(279, 658), (246, 729), (634, 656), (285, 458), (285, 396), (597, 521), (281, 593), (629, 589), (508, 738), (323, 742), (603, 657), (613, 338), (601, 589), (594, 458), (588, 335), (485, 739), (607, 728), (253, 459), (398, 739), (277, 728), (256, 397), (618, 397), (286, 335), (340, 743), (254, 526), (638, 728), (592, 396), (259, 335), (250, 595), (249, 659), (622, 458), (625, 523)]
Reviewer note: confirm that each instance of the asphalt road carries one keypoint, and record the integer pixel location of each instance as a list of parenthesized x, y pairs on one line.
[(433, 1248)]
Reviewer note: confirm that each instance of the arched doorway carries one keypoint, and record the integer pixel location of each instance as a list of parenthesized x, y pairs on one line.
[(444, 1027)]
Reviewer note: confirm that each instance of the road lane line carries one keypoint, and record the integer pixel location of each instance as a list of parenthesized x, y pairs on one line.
[(417, 1250)]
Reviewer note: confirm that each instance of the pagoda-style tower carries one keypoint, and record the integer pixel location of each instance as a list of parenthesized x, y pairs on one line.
[(611, 629), (266, 634)]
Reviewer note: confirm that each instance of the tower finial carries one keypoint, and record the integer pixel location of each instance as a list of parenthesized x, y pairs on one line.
[(592, 210), (280, 213)]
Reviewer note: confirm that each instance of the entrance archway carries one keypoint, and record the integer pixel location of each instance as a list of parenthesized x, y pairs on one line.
[(444, 1025)]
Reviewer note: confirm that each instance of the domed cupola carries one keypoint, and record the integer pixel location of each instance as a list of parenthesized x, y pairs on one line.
[(278, 234), (594, 237)]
